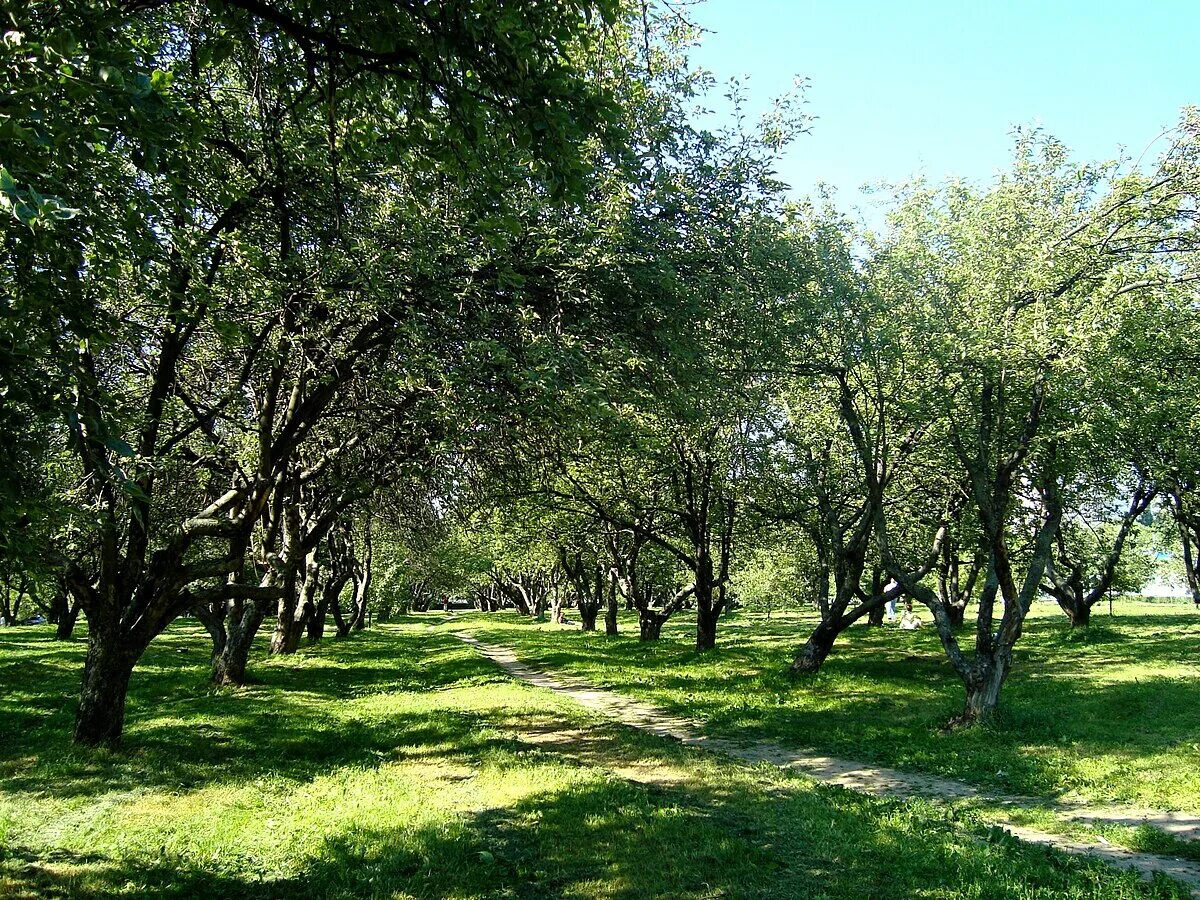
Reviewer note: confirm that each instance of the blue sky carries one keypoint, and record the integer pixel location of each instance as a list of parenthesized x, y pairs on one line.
[(936, 87)]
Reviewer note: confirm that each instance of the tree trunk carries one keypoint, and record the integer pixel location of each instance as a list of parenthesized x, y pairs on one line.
[(708, 610), (289, 628), (1081, 616), (362, 582), (539, 605), (875, 616), (66, 622), (229, 668), (59, 605), (296, 608), (362, 587), (983, 693), (650, 625), (101, 714), (588, 611), (316, 624), (821, 589), (816, 649), (212, 617), (610, 612), (956, 613), (341, 623), (706, 626)]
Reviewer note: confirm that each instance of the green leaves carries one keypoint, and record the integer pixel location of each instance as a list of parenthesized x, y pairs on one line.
[(29, 207), (118, 446)]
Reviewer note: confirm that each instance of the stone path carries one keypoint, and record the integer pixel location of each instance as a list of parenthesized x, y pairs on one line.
[(878, 781)]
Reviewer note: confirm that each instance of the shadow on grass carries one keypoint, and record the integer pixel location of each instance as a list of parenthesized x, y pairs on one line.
[(604, 836), (712, 837), (301, 718), (1077, 706)]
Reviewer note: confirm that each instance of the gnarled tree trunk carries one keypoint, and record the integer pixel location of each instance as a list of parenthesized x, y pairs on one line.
[(650, 625), (229, 667), (816, 649), (100, 718), (296, 608), (212, 617)]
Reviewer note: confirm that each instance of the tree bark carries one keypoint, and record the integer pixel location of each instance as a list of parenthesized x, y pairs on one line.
[(706, 629), (983, 691), (817, 648), (708, 607), (66, 622), (296, 610), (650, 625), (100, 717), (316, 624), (610, 612), (229, 668), (212, 617), (875, 616), (59, 604), (1078, 610)]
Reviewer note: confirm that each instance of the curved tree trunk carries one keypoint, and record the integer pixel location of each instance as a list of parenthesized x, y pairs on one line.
[(1078, 610), (296, 609), (229, 668), (212, 617), (817, 648), (340, 622), (316, 624)]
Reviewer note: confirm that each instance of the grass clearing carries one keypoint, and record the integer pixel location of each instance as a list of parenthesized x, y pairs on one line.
[(400, 764)]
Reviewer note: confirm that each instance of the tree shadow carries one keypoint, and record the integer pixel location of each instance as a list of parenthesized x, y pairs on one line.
[(884, 696), (605, 836), (304, 715)]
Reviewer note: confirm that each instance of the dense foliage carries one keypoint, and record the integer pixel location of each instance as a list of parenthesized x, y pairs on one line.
[(320, 311)]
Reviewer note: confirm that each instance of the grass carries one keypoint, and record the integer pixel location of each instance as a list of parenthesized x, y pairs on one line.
[(400, 764), (1105, 717)]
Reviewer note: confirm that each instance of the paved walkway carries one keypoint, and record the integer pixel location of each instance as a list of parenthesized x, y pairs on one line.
[(869, 779)]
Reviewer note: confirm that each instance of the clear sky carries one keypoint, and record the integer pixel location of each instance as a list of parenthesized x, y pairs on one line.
[(935, 87)]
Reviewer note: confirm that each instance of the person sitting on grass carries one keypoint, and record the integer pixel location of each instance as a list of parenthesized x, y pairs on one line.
[(910, 621)]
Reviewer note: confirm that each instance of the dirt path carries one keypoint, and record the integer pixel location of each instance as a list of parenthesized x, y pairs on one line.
[(870, 779)]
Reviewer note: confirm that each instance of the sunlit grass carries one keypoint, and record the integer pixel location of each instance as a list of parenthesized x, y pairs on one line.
[(393, 765), (1106, 716)]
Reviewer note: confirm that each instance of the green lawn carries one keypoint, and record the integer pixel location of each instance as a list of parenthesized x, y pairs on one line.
[(1110, 715), (392, 765)]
